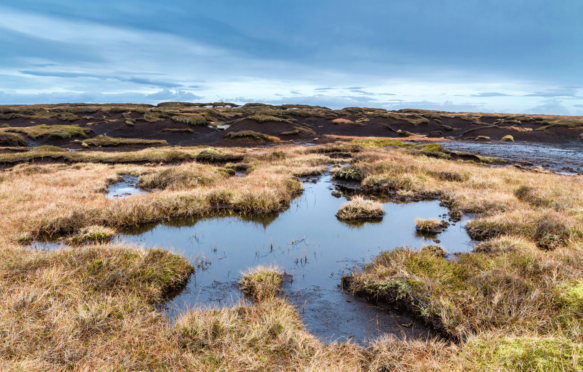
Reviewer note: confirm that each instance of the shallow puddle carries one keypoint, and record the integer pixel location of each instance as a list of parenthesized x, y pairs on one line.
[(125, 188), (308, 242)]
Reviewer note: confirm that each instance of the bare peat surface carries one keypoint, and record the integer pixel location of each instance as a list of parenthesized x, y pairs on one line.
[(565, 158), (311, 245)]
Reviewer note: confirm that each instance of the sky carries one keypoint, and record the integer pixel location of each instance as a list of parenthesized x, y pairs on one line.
[(516, 56)]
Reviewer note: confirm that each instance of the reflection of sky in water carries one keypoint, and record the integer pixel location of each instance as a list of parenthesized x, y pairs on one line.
[(309, 242)]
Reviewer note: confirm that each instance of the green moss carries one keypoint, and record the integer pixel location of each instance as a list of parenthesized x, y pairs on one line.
[(268, 118), (349, 173)]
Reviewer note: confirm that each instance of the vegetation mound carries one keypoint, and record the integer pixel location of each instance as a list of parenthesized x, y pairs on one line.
[(61, 131), (253, 135), (360, 208), (12, 140), (261, 282), (103, 141)]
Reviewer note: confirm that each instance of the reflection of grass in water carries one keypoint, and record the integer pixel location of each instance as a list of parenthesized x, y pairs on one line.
[(360, 223)]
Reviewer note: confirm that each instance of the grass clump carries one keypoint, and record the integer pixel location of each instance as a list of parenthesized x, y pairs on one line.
[(269, 118), (430, 225), (61, 131), (404, 133), (299, 130), (104, 141), (508, 138), (193, 120), (253, 135), (67, 116), (93, 234), (349, 173), (482, 138), (48, 148), (12, 140), (472, 296), (261, 282), (360, 208), (182, 177), (213, 155), (178, 130), (435, 250)]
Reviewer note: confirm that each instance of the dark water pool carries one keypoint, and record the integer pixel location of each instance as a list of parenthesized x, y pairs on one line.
[(308, 242), (565, 159)]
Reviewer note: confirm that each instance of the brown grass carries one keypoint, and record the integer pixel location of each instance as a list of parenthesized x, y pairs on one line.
[(360, 208)]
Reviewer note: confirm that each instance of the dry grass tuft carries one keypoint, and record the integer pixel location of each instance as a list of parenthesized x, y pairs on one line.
[(360, 208), (261, 282), (253, 135), (430, 225), (103, 141)]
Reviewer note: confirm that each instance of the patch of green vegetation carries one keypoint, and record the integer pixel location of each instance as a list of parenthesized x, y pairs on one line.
[(67, 116), (151, 118), (253, 135), (213, 155), (508, 138), (48, 148), (93, 234), (102, 141), (261, 282), (404, 133), (62, 131), (349, 173), (377, 143)]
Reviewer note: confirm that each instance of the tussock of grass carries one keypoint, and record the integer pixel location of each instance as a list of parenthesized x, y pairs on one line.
[(191, 120), (344, 121), (103, 141), (508, 138), (269, 118), (93, 234), (182, 177), (360, 208), (62, 131), (254, 135), (474, 295), (12, 140), (299, 130), (213, 155), (261, 282), (482, 138), (435, 250), (67, 116), (430, 225)]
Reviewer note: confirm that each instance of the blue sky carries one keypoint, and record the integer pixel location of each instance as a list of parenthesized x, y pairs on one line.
[(488, 55)]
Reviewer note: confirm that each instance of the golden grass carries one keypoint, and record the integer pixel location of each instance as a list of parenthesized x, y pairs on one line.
[(103, 141), (360, 208), (431, 224), (11, 139), (253, 135), (62, 131)]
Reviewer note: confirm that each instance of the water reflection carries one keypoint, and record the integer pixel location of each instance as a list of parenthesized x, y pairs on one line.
[(309, 243)]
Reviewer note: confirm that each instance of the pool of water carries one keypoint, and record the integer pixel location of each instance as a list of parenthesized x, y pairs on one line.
[(309, 243), (125, 188)]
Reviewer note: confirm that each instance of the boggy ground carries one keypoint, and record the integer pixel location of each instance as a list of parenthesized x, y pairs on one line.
[(187, 124), (513, 304)]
